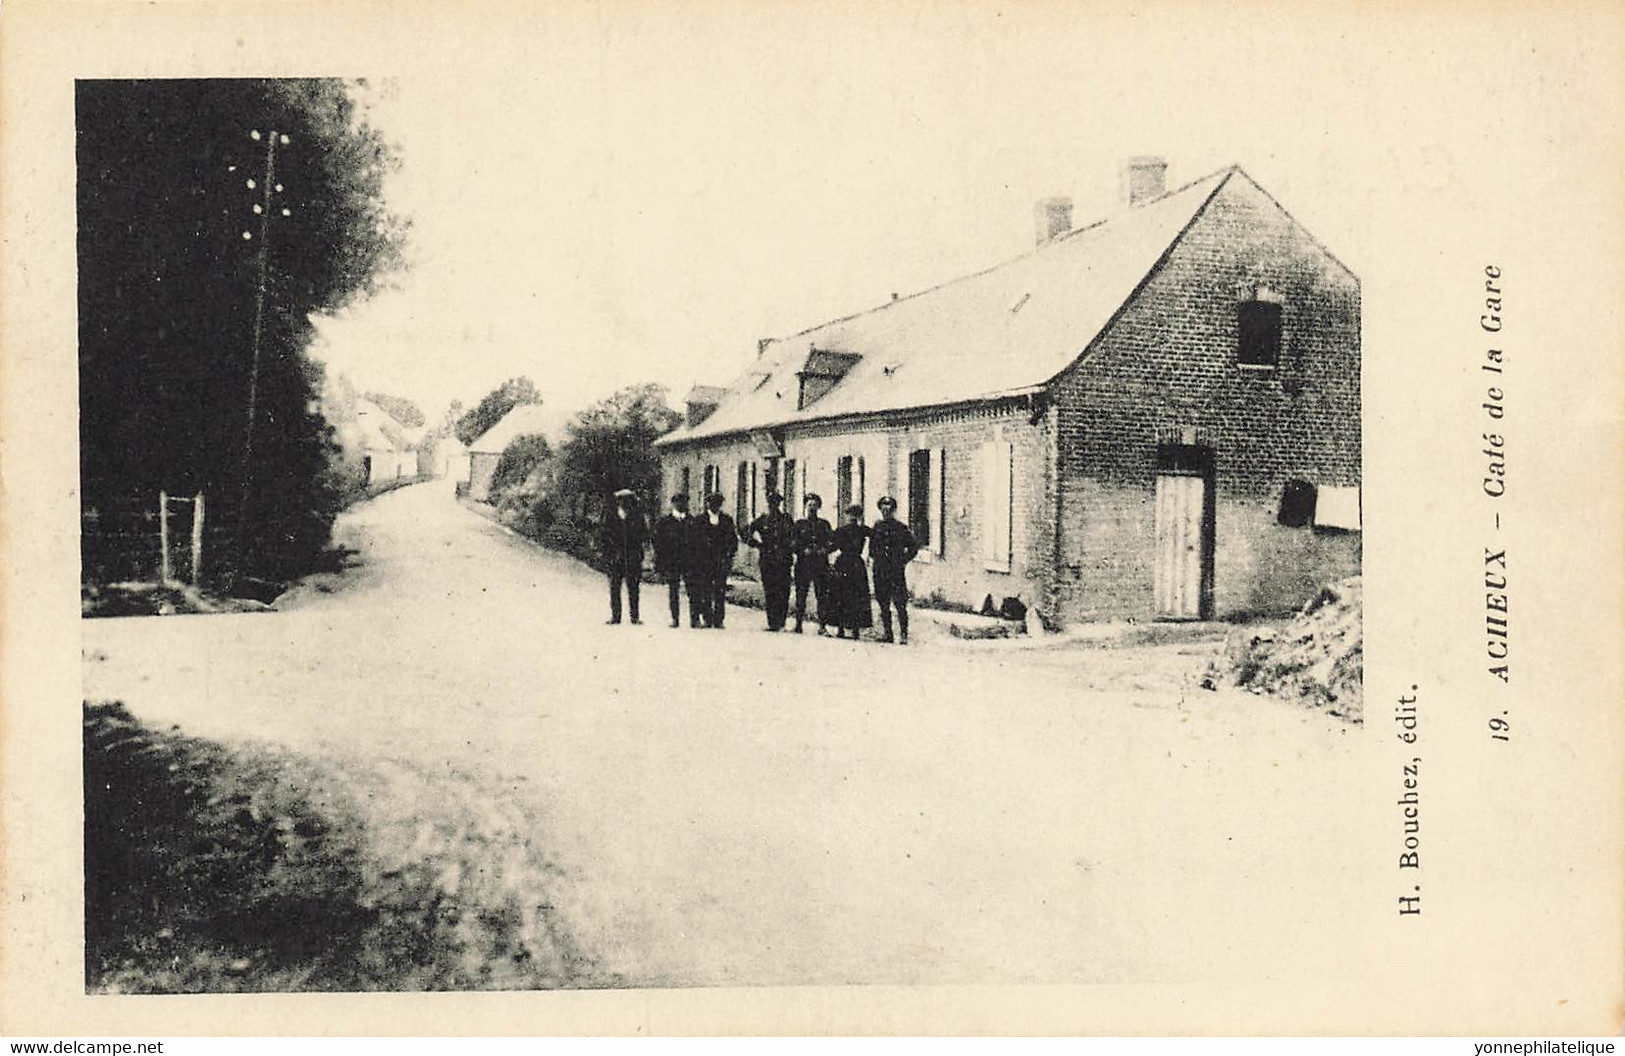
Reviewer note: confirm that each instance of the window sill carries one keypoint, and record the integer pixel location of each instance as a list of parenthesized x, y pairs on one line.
[(1003, 570), (1257, 367)]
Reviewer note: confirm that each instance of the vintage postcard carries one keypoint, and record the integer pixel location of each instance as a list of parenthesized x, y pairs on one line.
[(812, 518)]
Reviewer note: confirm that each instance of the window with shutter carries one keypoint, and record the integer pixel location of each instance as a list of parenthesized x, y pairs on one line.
[(843, 485), (996, 498), (920, 519), (942, 502)]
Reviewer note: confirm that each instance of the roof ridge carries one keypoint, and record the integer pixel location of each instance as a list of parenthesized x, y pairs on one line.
[(1223, 175), (1068, 236), (1146, 232)]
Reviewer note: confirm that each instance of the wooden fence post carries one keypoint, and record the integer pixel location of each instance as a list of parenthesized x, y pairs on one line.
[(163, 538), (197, 540)]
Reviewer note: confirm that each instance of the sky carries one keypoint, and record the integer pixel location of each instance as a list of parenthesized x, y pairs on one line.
[(609, 200)]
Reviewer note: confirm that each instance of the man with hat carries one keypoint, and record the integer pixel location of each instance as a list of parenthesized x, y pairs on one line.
[(717, 540), (773, 537), (891, 548), (677, 559), (621, 542), (812, 543)]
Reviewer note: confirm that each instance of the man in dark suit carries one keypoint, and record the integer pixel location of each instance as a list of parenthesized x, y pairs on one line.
[(891, 548), (677, 559), (621, 542), (772, 534), (813, 541), (718, 542)]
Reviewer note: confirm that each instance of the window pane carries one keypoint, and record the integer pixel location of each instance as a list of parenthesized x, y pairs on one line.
[(1258, 326)]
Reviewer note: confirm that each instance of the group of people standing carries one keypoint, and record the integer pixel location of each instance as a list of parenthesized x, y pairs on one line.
[(695, 552)]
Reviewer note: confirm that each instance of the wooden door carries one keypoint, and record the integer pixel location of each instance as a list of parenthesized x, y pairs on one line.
[(1183, 553)]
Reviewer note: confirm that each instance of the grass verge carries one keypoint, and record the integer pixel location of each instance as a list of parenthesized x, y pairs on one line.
[(211, 868)]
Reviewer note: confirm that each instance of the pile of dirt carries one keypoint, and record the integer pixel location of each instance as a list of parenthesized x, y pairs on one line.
[(1317, 658)]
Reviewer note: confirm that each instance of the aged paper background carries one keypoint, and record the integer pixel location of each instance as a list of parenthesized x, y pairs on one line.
[(1452, 137)]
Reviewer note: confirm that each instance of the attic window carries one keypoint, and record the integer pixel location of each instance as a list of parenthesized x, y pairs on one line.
[(822, 371), (1258, 332)]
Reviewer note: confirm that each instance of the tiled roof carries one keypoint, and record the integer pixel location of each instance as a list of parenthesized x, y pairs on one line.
[(999, 332), (378, 431)]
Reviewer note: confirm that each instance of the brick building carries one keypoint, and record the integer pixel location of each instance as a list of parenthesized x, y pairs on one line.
[(1155, 416)]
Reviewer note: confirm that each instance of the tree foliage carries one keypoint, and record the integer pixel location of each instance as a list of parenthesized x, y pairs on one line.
[(609, 446), (518, 461), (496, 404), (167, 297)]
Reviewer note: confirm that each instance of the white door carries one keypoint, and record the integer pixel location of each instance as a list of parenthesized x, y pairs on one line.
[(1182, 548)]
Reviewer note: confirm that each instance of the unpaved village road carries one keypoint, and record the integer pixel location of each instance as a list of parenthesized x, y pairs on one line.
[(738, 807)]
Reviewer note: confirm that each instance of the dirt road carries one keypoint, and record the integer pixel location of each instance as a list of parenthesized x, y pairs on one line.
[(743, 808)]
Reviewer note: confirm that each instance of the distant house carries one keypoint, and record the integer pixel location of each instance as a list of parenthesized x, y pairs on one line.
[(1154, 416), (526, 419), (387, 449)]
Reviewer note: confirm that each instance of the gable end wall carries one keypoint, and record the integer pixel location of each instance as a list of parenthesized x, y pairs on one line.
[(1169, 364)]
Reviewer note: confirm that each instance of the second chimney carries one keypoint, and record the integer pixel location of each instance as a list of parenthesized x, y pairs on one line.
[(1144, 178), (1052, 217)]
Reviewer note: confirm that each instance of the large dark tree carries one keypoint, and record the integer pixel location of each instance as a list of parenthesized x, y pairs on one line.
[(183, 244), (609, 446)]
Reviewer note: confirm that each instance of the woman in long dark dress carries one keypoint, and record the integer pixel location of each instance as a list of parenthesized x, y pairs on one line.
[(850, 577)]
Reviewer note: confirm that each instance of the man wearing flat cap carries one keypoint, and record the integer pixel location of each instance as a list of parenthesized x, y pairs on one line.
[(891, 548), (773, 536), (716, 543), (621, 542), (677, 559)]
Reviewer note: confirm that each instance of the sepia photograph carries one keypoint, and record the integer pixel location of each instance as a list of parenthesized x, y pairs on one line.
[(359, 714), (816, 521)]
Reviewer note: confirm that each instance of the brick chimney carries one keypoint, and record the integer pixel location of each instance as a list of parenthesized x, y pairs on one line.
[(1144, 178), (1052, 217)]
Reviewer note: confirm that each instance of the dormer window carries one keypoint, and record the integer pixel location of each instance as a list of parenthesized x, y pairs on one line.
[(823, 371), (1258, 330), (701, 401)]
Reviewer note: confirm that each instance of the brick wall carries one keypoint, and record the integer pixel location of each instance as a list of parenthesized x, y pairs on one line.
[(1167, 369), (960, 573)]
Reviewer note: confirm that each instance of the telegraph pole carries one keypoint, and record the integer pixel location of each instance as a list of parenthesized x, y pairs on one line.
[(262, 209)]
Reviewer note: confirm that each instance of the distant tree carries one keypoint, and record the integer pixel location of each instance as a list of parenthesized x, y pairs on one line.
[(399, 408), (519, 460), (170, 207), (609, 446), (496, 404), (448, 421)]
